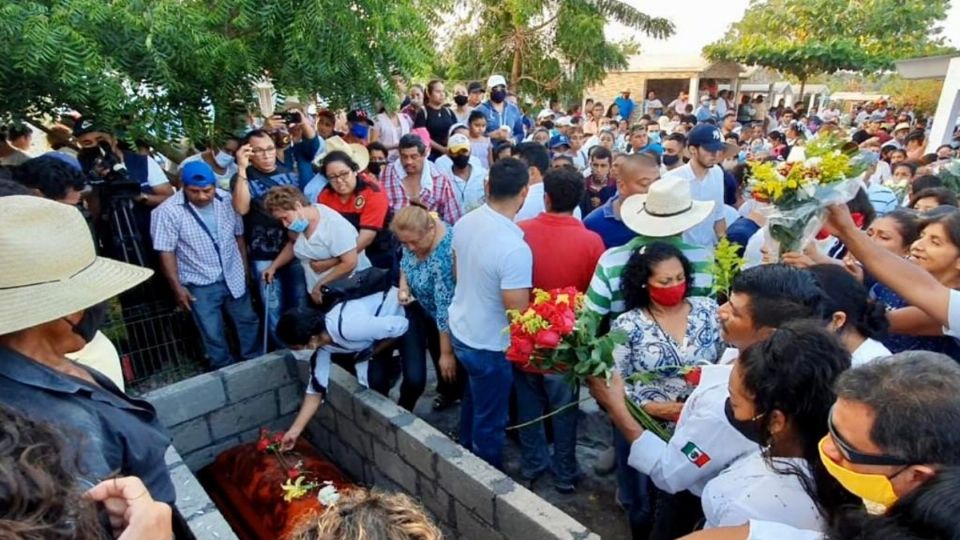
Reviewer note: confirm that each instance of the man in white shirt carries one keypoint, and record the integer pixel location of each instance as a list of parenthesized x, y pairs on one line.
[(466, 174), (535, 156), (706, 149), (704, 443), (494, 272)]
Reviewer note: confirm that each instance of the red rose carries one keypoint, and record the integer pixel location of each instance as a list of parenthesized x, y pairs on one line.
[(278, 438), (264, 433), (262, 445), (548, 339), (692, 377), (520, 349), (293, 473)]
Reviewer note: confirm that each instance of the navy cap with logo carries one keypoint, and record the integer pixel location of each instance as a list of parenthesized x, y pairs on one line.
[(559, 140), (90, 125), (706, 136), (359, 115)]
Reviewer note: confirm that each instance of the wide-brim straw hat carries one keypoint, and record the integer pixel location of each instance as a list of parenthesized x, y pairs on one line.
[(667, 210), (50, 268), (357, 152)]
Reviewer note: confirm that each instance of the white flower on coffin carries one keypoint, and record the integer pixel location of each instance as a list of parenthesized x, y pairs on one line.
[(813, 162), (809, 188), (797, 154), (328, 494)]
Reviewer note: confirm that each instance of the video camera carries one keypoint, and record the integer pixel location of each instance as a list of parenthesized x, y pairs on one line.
[(106, 172)]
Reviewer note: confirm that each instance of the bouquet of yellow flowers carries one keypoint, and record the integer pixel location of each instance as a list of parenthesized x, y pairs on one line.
[(826, 171)]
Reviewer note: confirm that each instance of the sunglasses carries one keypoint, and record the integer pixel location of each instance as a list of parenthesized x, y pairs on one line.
[(859, 458)]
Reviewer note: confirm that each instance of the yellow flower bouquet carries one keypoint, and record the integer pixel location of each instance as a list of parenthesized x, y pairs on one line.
[(826, 171)]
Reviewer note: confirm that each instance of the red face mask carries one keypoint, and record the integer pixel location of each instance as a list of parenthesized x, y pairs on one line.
[(668, 296)]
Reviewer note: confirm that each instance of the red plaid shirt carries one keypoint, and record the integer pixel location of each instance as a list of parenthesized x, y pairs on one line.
[(436, 191)]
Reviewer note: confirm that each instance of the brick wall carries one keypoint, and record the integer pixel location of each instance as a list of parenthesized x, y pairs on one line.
[(368, 436)]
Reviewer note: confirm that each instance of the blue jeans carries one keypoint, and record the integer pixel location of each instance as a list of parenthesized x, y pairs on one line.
[(288, 291), (636, 491), (537, 395), (208, 307), (483, 412)]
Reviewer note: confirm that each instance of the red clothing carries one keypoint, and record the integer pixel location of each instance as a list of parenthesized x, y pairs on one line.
[(366, 208), (565, 253)]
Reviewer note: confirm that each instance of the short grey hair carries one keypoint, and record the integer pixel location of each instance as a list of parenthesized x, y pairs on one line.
[(915, 397)]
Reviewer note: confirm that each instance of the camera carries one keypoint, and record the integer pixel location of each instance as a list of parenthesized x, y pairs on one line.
[(291, 117), (106, 172)]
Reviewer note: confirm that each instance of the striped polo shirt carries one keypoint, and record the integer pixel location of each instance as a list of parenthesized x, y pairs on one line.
[(605, 295)]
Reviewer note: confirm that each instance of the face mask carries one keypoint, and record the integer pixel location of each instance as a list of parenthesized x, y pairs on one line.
[(91, 321), (376, 166), (876, 490), (654, 137), (671, 160), (299, 225), (302, 355), (460, 100), (460, 161), (497, 96), (359, 130), (748, 428), (223, 159), (742, 156), (668, 296)]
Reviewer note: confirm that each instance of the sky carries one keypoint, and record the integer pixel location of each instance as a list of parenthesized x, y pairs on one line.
[(699, 22)]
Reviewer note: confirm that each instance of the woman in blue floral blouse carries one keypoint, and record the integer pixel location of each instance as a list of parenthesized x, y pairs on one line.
[(668, 333), (426, 290)]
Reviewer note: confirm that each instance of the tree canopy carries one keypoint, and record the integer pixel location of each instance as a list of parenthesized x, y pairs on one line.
[(807, 37), (553, 48), (169, 66)]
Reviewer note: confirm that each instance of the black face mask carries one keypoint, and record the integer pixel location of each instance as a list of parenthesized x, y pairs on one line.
[(460, 161), (91, 321), (670, 160), (376, 166), (748, 428), (497, 96), (547, 125), (460, 100)]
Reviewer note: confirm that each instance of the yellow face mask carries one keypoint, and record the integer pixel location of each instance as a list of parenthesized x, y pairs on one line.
[(876, 490)]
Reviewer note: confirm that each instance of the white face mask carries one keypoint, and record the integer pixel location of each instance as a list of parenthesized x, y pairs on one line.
[(223, 159)]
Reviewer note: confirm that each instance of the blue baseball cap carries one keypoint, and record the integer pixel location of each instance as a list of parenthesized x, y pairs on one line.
[(708, 137), (559, 140), (197, 174)]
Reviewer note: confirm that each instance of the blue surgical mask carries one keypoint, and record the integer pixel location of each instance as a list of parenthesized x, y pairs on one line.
[(742, 156), (359, 130), (654, 137), (299, 225)]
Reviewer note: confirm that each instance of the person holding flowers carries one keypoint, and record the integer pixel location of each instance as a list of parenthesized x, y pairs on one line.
[(669, 333)]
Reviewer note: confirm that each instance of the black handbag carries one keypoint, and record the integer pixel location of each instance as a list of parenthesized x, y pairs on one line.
[(357, 285)]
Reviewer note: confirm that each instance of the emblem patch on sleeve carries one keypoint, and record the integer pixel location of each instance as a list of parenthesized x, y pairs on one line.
[(696, 456)]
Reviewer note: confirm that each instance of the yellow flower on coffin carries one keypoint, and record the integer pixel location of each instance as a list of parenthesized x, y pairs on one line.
[(293, 490)]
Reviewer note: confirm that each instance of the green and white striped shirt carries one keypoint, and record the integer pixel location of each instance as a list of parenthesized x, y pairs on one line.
[(605, 295)]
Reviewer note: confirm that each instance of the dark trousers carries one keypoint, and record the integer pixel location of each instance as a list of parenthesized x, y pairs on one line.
[(677, 514), (423, 336)]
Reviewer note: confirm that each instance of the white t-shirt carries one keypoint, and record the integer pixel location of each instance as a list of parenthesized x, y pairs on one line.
[(708, 189), (470, 193), (389, 133), (491, 257), (870, 349), (768, 530), (750, 489), (333, 237), (953, 315), (730, 214), (223, 180), (533, 205)]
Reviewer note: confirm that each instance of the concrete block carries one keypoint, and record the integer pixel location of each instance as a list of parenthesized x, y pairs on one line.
[(211, 526), (191, 435), (437, 501), (471, 527), (522, 514), (382, 481), (413, 445), (191, 497), (394, 467), (342, 387), (188, 399), (321, 437), (247, 414), (357, 438), (247, 379), (205, 456), (172, 457), (327, 416), (473, 483), (345, 458), (379, 416), (289, 398)]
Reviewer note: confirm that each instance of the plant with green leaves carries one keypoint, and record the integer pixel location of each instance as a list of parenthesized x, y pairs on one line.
[(808, 37), (725, 266), (545, 47), (164, 68)]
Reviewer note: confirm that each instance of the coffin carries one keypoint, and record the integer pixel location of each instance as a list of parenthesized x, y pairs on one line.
[(244, 483)]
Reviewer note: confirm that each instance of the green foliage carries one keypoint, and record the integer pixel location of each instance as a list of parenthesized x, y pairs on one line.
[(168, 67), (553, 48), (726, 264), (807, 37), (923, 94)]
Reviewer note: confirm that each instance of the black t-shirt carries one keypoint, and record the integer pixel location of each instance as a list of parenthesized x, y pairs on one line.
[(437, 122), (265, 236)]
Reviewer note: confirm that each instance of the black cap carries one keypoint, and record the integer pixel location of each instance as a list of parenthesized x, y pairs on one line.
[(89, 125), (475, 86), (359, 115)]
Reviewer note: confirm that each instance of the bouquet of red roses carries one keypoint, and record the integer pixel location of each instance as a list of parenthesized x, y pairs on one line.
[(556, 334)]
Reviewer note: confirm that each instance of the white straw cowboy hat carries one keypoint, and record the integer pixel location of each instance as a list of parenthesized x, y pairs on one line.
[(357, 152), (50, 268), (668, 209)]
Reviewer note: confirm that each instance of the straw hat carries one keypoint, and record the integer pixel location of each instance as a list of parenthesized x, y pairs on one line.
[(50, 268), (668, 209), (357, 152)]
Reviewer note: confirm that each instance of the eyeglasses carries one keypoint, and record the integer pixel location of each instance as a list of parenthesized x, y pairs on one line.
[(264, 151), (854, 456), (338, 177)]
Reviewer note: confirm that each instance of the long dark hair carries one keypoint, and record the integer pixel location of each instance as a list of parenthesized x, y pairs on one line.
[(843, 293), (793, 371), (637, 272)]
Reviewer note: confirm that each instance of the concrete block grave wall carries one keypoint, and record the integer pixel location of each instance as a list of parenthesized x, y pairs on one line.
[(373, 440)]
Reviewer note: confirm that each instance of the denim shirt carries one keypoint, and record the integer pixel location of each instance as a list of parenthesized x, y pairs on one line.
[(300, 157), (511, 118), (110, 432)]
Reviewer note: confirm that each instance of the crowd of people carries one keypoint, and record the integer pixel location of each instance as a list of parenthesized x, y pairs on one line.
[(827, 393)]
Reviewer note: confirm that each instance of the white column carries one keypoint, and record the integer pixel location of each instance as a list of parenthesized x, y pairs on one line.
[(948, 108), (694, 91)]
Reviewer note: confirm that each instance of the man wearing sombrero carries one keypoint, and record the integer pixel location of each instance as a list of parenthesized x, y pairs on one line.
[(53, 294)]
